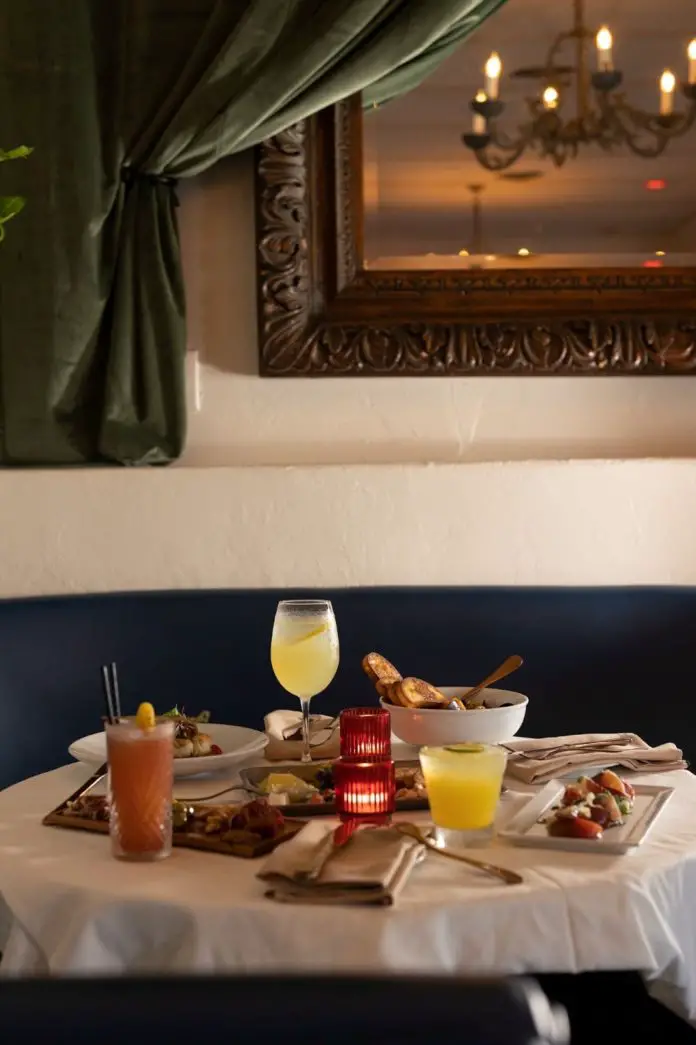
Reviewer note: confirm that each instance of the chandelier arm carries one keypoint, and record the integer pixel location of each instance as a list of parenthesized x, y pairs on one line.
[(557, 46), (491, 159), (634, 138), (631, 126), (653, 124), (503, 141)]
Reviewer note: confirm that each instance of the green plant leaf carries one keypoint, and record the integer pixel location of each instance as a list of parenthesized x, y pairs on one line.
[(10, 206), (20, 153)]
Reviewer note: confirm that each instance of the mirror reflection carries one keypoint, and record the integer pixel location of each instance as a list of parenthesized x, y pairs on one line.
[(560, 135)]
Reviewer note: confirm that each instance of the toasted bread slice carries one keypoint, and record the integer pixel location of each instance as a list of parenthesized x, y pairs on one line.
[(390, 691), (415, 693), (379, 669)]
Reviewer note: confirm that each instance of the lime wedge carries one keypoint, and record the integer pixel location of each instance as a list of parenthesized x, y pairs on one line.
[(465, 749)]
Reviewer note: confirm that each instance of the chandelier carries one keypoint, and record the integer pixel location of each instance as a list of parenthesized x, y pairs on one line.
[(602, 114)]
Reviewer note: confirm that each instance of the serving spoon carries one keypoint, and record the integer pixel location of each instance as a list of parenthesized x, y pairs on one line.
[(509, 665), (413, 831)]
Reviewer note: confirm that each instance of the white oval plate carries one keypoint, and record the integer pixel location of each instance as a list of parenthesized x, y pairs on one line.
[(237, 743)]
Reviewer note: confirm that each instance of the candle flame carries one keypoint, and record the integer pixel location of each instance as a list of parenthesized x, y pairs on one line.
[(604, 39), (691, 50), (493, 66), (480, 96), (550, 98), (668, 82)]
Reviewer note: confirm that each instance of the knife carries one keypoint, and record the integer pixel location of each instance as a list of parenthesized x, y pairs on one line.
[(88, 784)]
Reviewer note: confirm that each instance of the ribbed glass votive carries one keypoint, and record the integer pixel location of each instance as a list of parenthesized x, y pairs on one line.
[(364, 789), (365, 734)]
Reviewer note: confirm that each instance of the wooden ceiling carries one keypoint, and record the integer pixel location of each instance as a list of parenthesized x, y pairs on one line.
[(417, 172)]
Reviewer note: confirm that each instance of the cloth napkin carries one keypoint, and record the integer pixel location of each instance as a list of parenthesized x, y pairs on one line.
[(371, 868), (284, 732), (538, 761)]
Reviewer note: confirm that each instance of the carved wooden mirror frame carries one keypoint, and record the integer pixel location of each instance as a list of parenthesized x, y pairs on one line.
[(321, 314)]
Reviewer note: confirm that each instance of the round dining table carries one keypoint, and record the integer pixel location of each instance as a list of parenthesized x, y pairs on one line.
[(67, 907)]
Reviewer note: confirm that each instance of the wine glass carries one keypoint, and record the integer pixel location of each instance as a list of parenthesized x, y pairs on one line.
[(304, 653)]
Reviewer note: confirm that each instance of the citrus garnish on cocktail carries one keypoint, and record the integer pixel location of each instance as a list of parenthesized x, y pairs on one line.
[(309, 635), (465, 749), (145, 716)]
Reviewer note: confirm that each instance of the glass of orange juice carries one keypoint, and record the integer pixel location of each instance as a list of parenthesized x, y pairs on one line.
[(141, 771), (463, 783)]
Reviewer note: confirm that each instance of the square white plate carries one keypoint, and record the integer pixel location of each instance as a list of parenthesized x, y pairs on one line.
[(525, 828)]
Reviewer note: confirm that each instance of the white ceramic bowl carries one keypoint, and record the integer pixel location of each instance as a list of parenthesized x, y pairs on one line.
[(490, 725)]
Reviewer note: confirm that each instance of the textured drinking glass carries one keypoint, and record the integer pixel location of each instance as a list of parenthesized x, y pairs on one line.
[(141, 776), (304, 653), (365, 734), (364, 789), (463, 783)]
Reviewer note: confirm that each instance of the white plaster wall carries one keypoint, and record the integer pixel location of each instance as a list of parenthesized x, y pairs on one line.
[(585, 522)]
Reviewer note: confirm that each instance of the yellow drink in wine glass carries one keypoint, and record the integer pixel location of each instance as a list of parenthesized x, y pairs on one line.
[(304, 659), (304, 653)]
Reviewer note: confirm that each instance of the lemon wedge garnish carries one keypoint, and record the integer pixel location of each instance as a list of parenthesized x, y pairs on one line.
[(310, 634), (145, 716)]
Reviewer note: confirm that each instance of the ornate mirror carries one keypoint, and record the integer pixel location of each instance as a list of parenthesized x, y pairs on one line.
[(529, 209)]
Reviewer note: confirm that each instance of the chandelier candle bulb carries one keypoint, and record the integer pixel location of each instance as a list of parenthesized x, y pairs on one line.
[(479, 123), (493, 68), (691, 55), (604, 43), (667, 84), (550, 99)]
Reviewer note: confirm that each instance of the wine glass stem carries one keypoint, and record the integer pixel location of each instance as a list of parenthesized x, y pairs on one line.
[(306, 748)]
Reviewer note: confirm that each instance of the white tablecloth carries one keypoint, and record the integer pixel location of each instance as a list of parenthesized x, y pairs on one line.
[(71, 908)]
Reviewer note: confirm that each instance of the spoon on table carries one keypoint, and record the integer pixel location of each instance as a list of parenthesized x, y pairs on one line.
[(509, 665), (413, 831)]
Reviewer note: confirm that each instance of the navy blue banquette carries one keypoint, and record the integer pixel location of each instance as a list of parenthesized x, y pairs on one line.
[(596, 659)]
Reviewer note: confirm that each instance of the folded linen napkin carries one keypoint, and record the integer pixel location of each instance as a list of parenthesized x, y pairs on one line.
[(284, 732), (371, 868), (538, 761)]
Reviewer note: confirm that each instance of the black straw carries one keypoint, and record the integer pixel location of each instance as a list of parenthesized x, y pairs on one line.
[(115, 690), (112, 695), (108, 696)]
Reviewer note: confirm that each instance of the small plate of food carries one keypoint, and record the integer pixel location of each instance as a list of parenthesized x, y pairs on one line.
[(600, 814), (308, 790), (200, 746)]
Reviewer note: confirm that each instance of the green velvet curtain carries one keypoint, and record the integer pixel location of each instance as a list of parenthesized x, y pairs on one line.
[(119, 98)]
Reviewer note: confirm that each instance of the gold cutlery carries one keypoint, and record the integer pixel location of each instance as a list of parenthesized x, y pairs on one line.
[(219, 794), (413, 831), (509, 665)]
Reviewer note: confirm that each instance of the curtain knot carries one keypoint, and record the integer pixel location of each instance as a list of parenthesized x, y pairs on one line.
[(129, 176)]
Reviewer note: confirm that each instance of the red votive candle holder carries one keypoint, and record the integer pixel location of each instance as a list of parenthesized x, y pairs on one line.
[(364, 789), (365, 734)]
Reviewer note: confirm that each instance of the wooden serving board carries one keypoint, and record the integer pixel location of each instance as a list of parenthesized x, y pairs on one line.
[(248, 848)]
